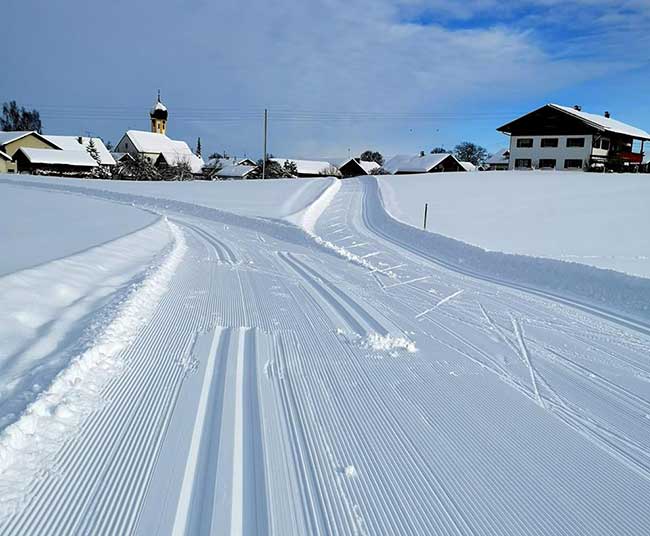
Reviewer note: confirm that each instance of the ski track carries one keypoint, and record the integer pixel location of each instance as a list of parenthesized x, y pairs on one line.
[(248, 404)]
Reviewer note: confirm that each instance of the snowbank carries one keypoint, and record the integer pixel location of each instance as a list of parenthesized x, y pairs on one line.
[(27, 445), (595, 219), (275, 198), (38, 227), (602, 291)]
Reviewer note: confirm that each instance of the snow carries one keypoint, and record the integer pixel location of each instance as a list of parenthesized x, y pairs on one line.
[(71, 143), (27, 445), (306, 167), (468, 166), (59, 157), (385, 343), (245, 364), (499, 157), (7, 136), (5, 156), (275, 198), (414, 164), (368, 167), (235, 171), (172, 150), (43, 226), (589, 218), (159, 106), (607, 123)]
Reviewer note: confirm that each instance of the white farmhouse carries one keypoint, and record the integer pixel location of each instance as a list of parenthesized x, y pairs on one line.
[(561, 137)]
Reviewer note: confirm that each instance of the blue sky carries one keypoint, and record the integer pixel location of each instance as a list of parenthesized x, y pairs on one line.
[(337, 76)]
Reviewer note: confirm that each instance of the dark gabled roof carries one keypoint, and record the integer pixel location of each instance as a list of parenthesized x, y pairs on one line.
[(597, 122)]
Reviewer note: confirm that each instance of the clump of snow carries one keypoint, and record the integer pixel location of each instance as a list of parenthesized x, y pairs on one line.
[(351, 471), (386, 343)]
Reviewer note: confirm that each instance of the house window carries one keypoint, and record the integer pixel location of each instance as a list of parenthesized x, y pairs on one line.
[(572, 164), (575, 142), (523, 163), (549, 142), (547, 163), (525, 142), (604, 144)]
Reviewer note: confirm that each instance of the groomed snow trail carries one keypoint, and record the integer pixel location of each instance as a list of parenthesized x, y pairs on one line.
[(344, 382)]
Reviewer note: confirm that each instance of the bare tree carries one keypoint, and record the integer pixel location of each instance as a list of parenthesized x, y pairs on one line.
[(14, 118)]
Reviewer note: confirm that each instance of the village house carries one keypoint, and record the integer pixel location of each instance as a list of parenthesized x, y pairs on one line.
[(561, 137), (235, 172), (55, 162), (424, 163), (82, 143), (310, 168), (7, 164), (31, 152), (156, 146), (355, 167), (11, 141), (499, 161)]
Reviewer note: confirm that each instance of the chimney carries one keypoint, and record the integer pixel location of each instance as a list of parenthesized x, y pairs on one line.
[(608, 115), (577, 107), (80, 139), (421, 154)]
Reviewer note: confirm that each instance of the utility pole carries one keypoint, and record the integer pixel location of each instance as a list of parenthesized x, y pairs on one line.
[(426, 209), (266, 120)]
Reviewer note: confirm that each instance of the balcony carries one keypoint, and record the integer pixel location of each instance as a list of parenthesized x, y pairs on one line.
[(626, 156)]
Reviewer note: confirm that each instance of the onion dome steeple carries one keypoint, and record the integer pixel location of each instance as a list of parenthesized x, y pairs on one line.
[(158, 115)]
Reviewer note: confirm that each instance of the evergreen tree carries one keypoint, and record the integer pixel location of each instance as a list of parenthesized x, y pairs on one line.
[(92, 151), (14, 118), (290, 169), (198, 147), (439, 150), (140, 169)]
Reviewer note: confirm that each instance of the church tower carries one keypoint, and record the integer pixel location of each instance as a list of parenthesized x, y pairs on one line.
[(158, 116)]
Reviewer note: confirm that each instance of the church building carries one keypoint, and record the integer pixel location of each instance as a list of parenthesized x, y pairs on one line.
[(156, 146)]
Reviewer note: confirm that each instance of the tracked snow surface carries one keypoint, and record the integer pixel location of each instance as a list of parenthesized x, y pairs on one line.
[(315, 367)]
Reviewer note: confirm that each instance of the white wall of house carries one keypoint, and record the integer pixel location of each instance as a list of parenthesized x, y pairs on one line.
[(127, 146), (560, 154)]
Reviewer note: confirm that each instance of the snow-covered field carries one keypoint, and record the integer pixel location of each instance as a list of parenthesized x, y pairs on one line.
[(589, 218), (286, 358)]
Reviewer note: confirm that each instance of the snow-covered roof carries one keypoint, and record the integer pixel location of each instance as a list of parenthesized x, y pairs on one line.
[(235, 171), (468, 166), (415, 164), (119, 156), (71, 143), (367, 167), (5, 156), (306, 167), (174, 158), (160, 106), (59, 157), (173, 151), (499, 157), (7, 136), (606, 123)]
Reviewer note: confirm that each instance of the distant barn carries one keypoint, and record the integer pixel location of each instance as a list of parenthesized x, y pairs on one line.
[(429, 163)]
